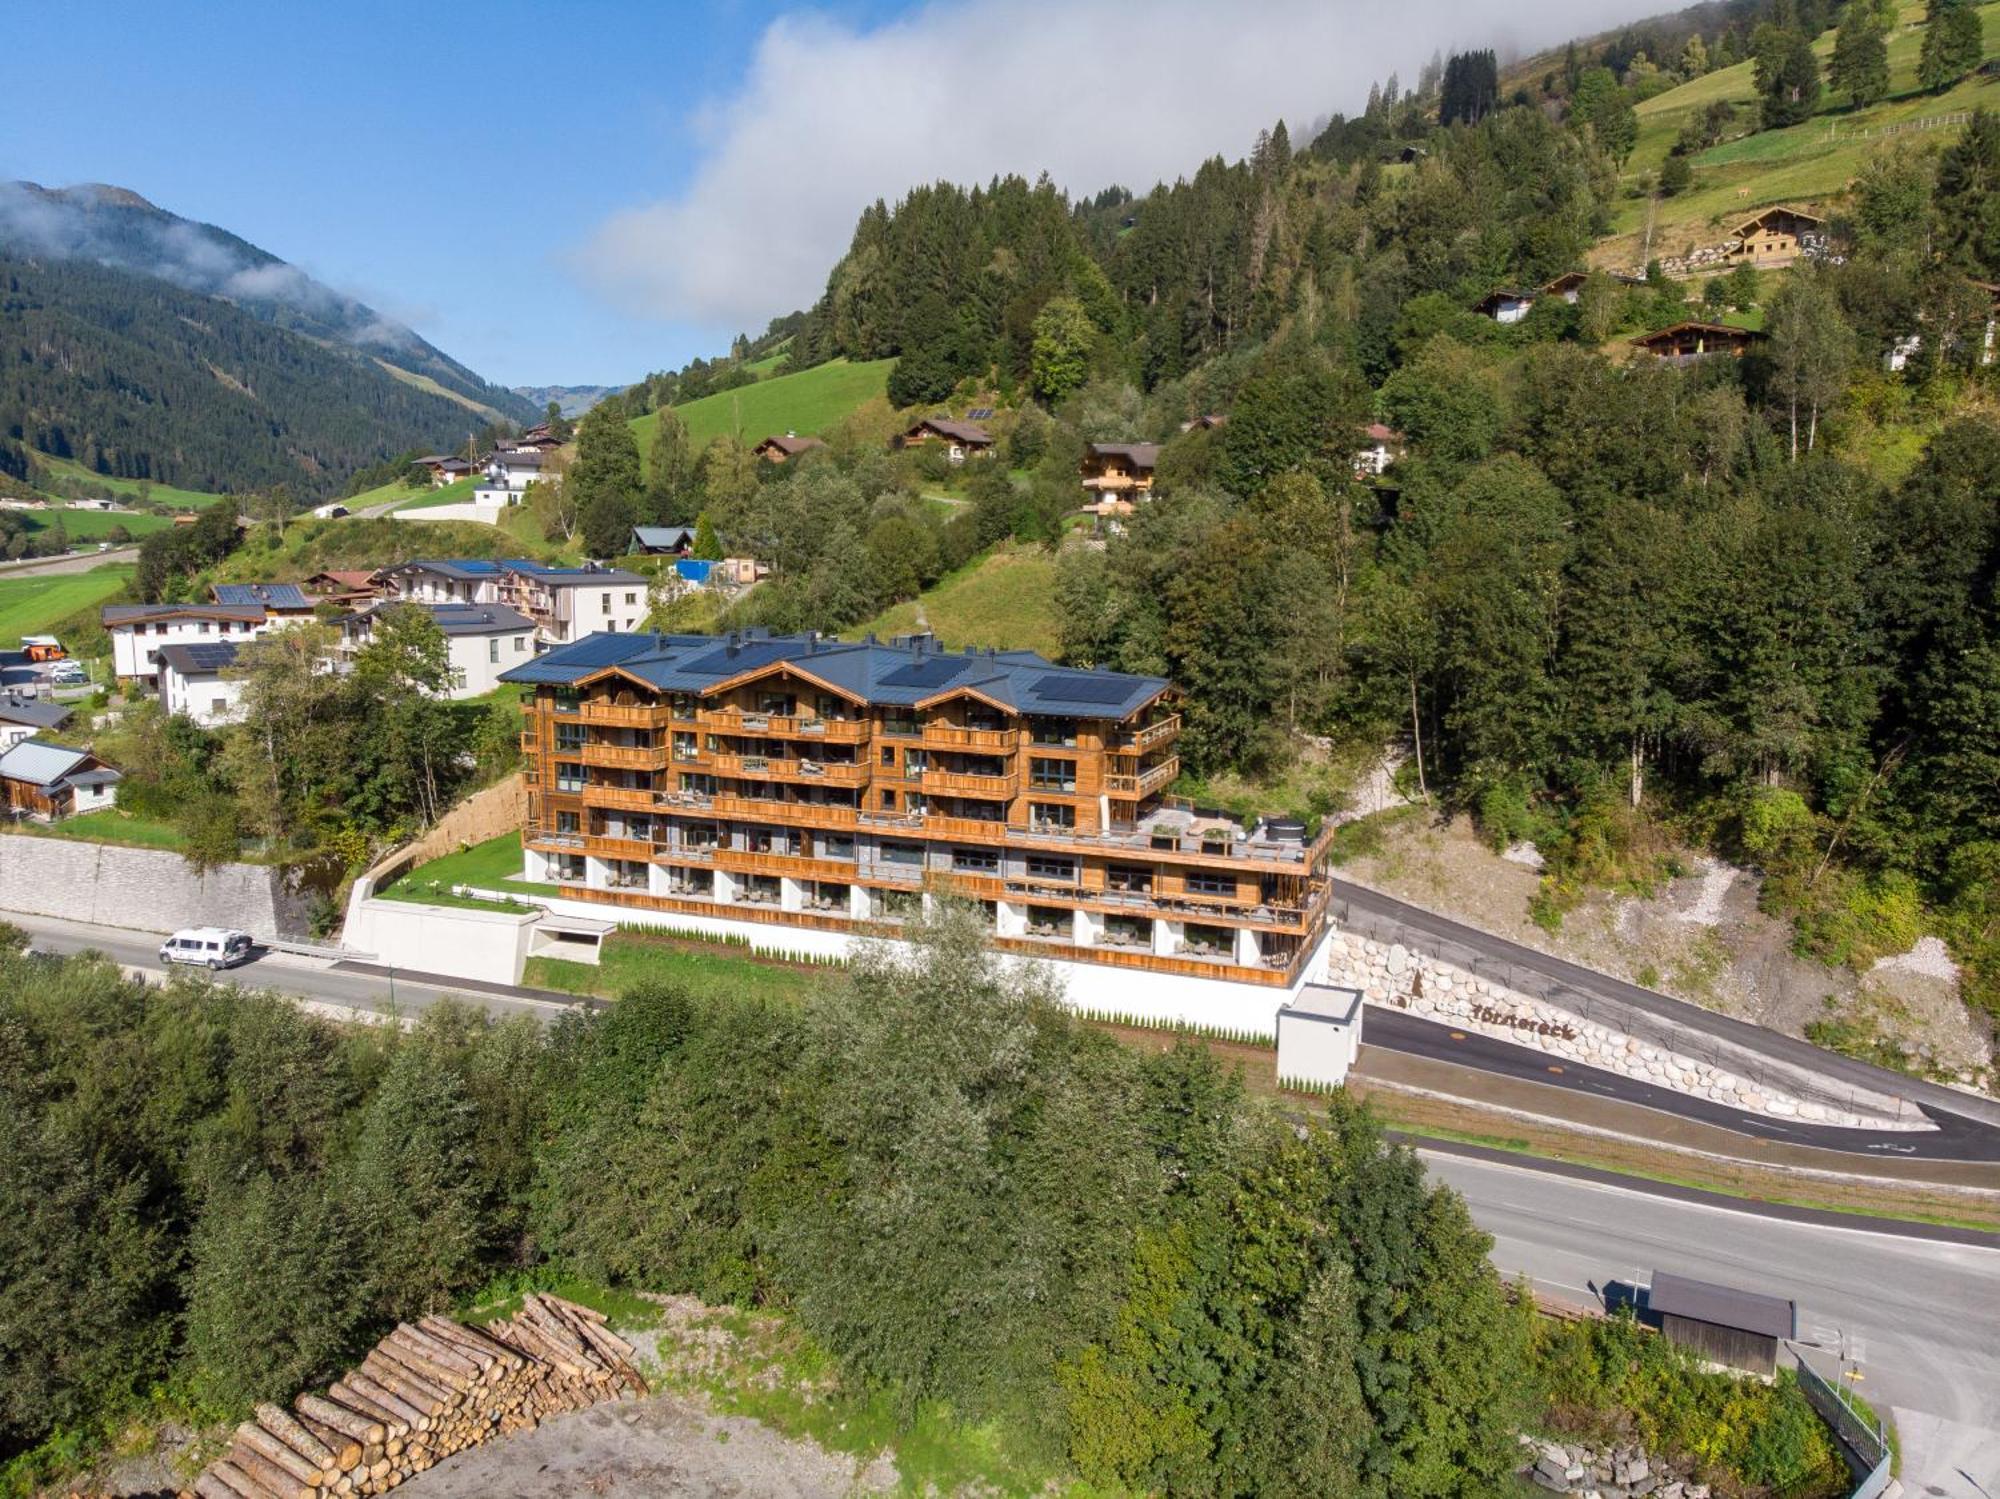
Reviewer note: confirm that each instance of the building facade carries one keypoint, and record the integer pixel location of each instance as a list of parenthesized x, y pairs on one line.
[(140, 631), (800, 792), (481, 641)]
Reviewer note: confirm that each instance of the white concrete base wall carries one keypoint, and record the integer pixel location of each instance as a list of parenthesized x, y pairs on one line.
[(466, 510), (489, 946)]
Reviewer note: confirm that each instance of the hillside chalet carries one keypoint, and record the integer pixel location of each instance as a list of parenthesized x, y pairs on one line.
[(791, 445), (1506, 305), (960, 440), (47, 781), (1777, 237), (1380, 447), (1689, 341)]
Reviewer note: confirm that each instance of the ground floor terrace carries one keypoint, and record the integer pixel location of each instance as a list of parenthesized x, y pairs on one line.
[(1034, 907)]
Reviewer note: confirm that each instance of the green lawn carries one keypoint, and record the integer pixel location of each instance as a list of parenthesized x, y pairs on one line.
[(35, 606), (492, 865), (1804, 163), (395, 491), (457, 492), (111, 826), (629, 958), (1006, 600), (95, 525), (806, 403), (162, 494)]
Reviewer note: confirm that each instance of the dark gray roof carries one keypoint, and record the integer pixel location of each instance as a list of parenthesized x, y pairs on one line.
[(963, 431), (790, 444), (1138, 454), (899, 673), (1725, 1306), (204, 658), (663, 538), (480, 619), (270, 595), (127, 614), (17, 709)]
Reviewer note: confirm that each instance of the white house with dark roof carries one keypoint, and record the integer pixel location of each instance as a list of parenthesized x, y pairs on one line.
[(200, 682), (139, 632), (24, 717), (482, 641), (508, 475)]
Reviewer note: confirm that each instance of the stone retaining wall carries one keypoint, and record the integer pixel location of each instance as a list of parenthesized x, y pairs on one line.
[(148, 889), (1393, 974)]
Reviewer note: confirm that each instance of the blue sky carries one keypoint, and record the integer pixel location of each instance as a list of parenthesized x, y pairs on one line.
[(579, 193)]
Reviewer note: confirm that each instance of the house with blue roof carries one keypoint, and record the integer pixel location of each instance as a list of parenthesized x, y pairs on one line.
[(800, 793)]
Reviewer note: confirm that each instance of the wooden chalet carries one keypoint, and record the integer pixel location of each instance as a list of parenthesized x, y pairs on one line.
[(47, 781), (1695, 340), (344, 587), (960, 440), (776, 449), (1777, 237), (1505, 304)]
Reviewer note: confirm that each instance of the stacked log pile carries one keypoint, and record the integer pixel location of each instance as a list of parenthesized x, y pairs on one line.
[(427, 1390)]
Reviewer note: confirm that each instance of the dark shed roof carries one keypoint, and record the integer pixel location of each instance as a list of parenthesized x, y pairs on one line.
[(1725, 1306)]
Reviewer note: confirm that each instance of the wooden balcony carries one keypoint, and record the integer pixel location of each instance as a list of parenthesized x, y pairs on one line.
[(603, 846), (622, 798), (786, 814), (1146, 782), (951, 737), (624, 756), (1157, 732), (619, 715), (784, 726), (781, 768), (798, 866), (957, 783)]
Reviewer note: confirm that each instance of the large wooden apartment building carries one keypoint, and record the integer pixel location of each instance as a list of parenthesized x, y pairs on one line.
[(816, 786)]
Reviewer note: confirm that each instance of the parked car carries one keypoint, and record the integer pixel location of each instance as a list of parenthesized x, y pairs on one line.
[(207, 946), (68, 673)]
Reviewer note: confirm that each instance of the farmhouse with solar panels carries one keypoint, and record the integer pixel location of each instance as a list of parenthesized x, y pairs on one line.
[(797, 792)]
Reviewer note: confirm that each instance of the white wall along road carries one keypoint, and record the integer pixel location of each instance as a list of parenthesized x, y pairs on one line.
[(1919, 1319)]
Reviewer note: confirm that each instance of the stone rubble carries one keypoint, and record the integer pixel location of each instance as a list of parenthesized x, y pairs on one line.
[(1621, 1472), (1391, 974)]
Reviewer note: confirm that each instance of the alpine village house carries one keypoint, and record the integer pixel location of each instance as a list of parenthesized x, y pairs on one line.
[(828, 789)]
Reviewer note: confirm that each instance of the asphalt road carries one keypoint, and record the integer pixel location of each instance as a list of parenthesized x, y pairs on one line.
[(75, 562), (1956, 1138), (1475, 947), (1919, 1321)]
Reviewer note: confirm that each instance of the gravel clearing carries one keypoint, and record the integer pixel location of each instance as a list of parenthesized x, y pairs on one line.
[(657, 1448), (1930, 957)]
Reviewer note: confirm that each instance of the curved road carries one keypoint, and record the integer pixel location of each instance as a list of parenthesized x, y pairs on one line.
[(72, 562), (1956, 1137)]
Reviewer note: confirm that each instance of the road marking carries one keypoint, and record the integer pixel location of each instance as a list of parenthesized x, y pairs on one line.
[(1555, 1069), (1458, 1035)]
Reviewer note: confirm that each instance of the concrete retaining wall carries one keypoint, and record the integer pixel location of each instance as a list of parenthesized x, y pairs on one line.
[(1599, 1032), (148, 889)]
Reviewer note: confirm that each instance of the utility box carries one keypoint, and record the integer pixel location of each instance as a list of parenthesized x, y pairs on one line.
[(1319, 1036)]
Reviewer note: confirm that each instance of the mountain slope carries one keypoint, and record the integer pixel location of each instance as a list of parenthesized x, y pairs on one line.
[(146, 346)]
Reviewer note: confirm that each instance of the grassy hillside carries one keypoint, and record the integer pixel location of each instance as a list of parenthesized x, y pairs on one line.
[(1006, 599), (162, 494), (806, 403), (94, 525), (1804, 163), (35, 606)]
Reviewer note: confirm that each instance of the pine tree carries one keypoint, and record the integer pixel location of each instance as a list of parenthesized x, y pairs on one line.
[(1860, 54), (1953, 45), (707, 545)]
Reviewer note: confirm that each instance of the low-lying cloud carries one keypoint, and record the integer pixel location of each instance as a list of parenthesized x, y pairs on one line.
[(830, 117)]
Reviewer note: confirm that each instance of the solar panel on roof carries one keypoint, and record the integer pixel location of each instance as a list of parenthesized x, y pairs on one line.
[(934, 672), (1081, 687), (727, 663), (979, 413), (602, 650)]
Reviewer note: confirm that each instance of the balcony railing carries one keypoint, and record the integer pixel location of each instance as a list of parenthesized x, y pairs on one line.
[(960, 783), (775, 768), (784, 725), (1146, 782), (1157, 732), (953, 737), (622, 715), (625, 756), (623, 798)]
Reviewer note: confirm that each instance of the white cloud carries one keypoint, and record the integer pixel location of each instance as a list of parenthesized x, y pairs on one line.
[(830, 117)]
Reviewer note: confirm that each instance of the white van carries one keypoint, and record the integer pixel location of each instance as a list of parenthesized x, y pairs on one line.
[(209, 946)]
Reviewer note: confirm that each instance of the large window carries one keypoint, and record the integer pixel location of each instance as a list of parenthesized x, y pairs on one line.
[(1052, 775), (569, 776), (569, 736), (1200, 882), (910, 855), (1051, 816), (1041, 867), (976, 860), (1061, 731)]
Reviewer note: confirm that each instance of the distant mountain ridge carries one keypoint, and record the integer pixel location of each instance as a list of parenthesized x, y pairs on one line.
[(571, 400), (147, 346)]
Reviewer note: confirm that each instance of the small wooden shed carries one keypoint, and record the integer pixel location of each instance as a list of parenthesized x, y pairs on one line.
[(1722, 1324)]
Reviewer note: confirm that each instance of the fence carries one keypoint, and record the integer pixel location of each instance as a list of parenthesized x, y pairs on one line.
[(1898, 127), (1862, 1439)]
